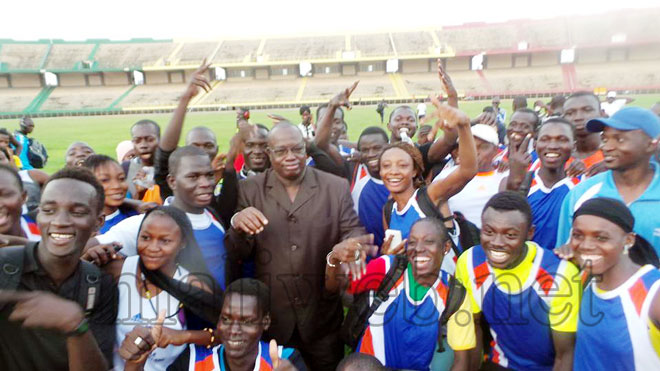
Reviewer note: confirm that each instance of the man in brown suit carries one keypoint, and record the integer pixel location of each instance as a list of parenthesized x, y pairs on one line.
[(290, 218)]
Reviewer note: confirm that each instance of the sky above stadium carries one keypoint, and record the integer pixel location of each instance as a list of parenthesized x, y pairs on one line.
[(200, 19)]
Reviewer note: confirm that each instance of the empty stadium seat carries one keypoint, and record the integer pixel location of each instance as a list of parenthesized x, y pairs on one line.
[(251, 91), (619, 76), (16, 99), (480, 37), (82, 98), (132, 54), (373, 45), (194, 52), (65, 56), (370, 87), (412, 42), (236, 50), (161, 95), (23, 56), (300, 48)]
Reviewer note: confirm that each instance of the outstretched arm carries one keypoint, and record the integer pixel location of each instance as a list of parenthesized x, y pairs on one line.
[(198, 81), (467, 152), (441, 147), (324, 128)]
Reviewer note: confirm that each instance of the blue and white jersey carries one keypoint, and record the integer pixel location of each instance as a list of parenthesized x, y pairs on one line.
[(546, 205), (369, 196), (208, 231), (30, 228), (114, 218), (613, 332), (644, 209)]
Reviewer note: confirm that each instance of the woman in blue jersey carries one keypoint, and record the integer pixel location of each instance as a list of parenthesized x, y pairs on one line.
[(401, 169), (404, 330), (619, 326), (113, 179)]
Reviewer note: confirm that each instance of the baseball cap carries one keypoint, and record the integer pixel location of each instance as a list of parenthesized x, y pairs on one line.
[(629, 118), (611, 94), (485, 133)]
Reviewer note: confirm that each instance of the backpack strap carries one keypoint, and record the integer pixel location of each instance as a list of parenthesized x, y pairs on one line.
[(387, 210), (432, 210), (11, 267), (90, 285), (455, 297)]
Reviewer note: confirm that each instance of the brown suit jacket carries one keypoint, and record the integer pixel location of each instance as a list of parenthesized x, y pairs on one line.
[(290, 254)]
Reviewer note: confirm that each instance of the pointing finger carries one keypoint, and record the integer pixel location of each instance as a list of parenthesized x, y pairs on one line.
[(274, 353)]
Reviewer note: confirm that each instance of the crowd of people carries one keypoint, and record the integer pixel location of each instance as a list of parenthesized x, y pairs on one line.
[(493, 243)]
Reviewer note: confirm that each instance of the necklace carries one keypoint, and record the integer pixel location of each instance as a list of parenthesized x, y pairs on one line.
[(148, 293)]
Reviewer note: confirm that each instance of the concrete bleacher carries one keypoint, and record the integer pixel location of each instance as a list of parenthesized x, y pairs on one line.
[(300, 48), (65, 56), (373, 45), (412, 42), (524, 80), (543, 34), (370, 86), (23, 56), (619, 76), (194, 52), (131, 55), (82, 98), (234, 51), (239, 91), (158, 95), (479, 37), (17, 99)]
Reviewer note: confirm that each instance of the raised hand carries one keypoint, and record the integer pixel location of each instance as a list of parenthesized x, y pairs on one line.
[(596, 168), (101, 255), (279, 364), (451, 118), (249, 220), (388, 249), (141, 341), (276, 118), (219, 164), (342, 99), (447, 84), (519, 161), (575, 169), (353, 251), (198, 81)]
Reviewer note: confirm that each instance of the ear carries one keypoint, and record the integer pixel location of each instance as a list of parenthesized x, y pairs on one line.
[(630, 239), (24, 196), (100, 220), (266, 322), (171, 181), (447, 247), (530, 233)]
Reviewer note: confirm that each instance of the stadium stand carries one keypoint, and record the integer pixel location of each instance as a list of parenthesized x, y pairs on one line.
[(233, 51), (66, 56), (375, 45), (612, 51), (17, 56), (131, 54)]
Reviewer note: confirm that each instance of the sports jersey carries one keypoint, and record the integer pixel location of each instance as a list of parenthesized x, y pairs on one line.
[(199, 358), (209, 234), (503, 155), (470, 201), (402, 333), (412, 212), (30, 228), (116, 217), (522, 305), (644, 209), (614, 331), (546, 204), (25, 142), (369, 196)]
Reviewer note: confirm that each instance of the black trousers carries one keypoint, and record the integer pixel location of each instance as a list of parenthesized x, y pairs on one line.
[(323, 354)]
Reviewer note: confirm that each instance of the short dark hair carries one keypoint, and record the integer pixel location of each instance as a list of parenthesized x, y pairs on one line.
[(181, 152), (93, 162), (399, 108), (436, 223), (536, 121), (304, 109), (510, 201), (584, 93), (4, 131), (373, 130), (13, 173), (147, 122), (488, 109), (520, 101), (360, 361), (82, 175), (557, 101), (558, 120), (252, 287)]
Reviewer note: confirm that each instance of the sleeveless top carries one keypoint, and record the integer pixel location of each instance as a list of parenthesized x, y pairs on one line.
[(136, 310)]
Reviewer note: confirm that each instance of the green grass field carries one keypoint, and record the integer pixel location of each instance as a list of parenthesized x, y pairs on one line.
[(104, 132)]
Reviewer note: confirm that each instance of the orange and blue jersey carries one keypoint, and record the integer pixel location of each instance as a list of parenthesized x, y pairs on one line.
[(522, 305), (202, 358), (403, 332), (369, 196), (614, 332), (546, 206)]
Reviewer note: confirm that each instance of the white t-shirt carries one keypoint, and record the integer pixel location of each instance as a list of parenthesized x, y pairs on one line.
[(421, 109), (470, 201), (611, 108)]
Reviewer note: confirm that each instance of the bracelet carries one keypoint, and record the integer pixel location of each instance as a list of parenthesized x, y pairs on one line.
[(212, 333), (82, 328)]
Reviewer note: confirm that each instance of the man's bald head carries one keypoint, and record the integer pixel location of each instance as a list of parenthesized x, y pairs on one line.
[(203, 138), (284, 129)]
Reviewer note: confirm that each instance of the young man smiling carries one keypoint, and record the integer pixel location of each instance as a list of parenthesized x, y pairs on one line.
[(45, 324), (528, 296)]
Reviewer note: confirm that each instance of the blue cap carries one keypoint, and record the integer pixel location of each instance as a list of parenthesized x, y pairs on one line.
[(629, 118)]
